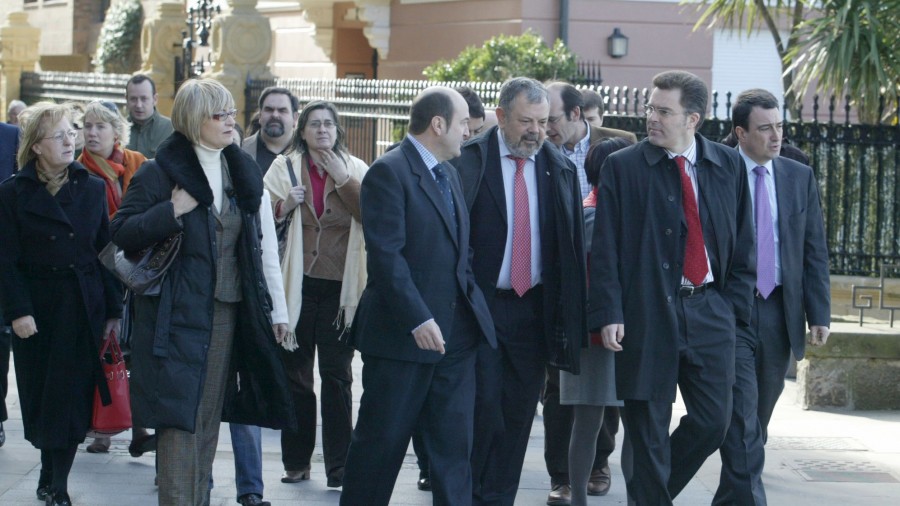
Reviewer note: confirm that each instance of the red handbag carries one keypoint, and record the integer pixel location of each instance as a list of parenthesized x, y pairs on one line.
[(115, 417)]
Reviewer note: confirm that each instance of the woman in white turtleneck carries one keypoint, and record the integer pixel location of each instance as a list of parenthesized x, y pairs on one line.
[(204, 349)]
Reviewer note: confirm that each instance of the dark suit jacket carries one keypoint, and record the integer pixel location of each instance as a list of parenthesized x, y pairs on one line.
[(804, 253), (419, 261), (9, 146), (562, 238), (638, 253)]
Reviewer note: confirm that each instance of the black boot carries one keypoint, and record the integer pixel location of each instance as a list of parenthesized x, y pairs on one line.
[(59, 499), (43, 491)]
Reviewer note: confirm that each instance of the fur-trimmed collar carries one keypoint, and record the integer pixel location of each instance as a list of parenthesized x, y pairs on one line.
[(176, 157)]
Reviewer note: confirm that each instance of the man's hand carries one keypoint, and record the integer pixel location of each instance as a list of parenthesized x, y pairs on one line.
[(818, 335), (612, 335), (428, 337), (280, 330), (24, 326)]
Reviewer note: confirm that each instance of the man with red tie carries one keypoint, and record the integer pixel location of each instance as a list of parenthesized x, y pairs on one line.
[(672, 275), (528, 259)]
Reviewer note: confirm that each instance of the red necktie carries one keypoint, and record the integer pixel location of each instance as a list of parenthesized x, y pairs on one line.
[(695, 266), (520, 267)]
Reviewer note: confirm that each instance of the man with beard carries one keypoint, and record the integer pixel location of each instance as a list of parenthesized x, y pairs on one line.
[(528, 259), (278, 114)]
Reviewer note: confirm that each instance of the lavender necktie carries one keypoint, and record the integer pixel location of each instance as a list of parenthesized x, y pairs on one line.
[(765, 236)]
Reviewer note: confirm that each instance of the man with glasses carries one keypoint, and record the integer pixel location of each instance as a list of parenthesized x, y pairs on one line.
[(148, 127), (278, 114), (672, 275)]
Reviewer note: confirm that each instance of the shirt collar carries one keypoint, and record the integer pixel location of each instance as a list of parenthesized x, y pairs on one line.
[(427, 157), (690, 153), (752, 165), (581, 146)]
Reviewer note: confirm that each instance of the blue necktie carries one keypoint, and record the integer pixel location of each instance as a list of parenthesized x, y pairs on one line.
[(444, 184)]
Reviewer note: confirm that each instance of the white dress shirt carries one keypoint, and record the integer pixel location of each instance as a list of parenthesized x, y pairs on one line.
[(690, 167), (508, 166)]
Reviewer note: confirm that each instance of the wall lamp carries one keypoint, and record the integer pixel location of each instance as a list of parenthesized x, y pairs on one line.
[(617, 44)]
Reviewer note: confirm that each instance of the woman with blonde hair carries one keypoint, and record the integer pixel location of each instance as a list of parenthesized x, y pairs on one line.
[(324, 267), (105, 135), (204, 350), (58, 298)]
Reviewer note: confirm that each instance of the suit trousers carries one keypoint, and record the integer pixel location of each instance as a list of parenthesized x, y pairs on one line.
[(317, 334), (185, 460), (398, 395), (5, 344), (663, 464), (762, 357), (558, 421), (509, 382)]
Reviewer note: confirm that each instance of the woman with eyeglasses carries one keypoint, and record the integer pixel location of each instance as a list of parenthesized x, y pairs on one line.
[(58, 299), (324, 269), (204, 349)]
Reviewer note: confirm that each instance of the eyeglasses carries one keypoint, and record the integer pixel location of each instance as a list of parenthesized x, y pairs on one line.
[(316, 124), (71, 134), (661, 112), (222, 115)]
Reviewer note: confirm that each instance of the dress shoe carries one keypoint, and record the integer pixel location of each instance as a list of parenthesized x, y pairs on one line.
[(560, 495), (252, 500), (141, 444), (295, 476), (424, 483), (599, 482), (44, 493), (58, 499), (100, 445), (2, 434)]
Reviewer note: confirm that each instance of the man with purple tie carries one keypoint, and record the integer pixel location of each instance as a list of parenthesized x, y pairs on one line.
[(792, 285)]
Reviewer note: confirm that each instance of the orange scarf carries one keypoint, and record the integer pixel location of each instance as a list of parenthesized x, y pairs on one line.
[(116, 171)]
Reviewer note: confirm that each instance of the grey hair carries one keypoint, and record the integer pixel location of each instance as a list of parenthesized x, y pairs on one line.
[(534, 92)]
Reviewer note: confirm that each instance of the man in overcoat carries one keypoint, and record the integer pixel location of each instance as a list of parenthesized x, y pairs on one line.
[(672, 274)]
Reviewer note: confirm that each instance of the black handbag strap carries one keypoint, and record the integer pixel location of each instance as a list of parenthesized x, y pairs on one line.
[(290, 167)]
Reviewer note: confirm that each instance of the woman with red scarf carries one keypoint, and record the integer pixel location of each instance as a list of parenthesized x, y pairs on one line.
[(105, 134)]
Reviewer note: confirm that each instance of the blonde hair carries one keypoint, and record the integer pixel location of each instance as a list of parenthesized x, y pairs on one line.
[(107, 112), (196, 101), (35, 120)]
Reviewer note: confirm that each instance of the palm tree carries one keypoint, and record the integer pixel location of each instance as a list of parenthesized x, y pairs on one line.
[(751, 14), (850, 50)]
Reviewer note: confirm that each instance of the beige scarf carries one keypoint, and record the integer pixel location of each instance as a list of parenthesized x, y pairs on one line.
[(53, 181), (278, 182)]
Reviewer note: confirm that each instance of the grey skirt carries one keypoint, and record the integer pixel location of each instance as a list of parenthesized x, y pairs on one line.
[(596, 385)]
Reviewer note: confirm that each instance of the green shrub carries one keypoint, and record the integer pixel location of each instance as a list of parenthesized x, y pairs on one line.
[(505, 56), (118, 46)]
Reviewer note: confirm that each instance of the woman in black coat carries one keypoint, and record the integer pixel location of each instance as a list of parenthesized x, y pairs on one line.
[(59, 299), (204, 349)]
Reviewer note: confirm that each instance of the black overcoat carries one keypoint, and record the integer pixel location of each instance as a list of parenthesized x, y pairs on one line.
[(638, 250), (49, 270), (172, 331)]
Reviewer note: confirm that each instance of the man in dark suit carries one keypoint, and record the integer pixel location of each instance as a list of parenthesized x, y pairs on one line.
[(421, 316), (527, 239), (672, 274), (568, 128), (9, 145), (792, 288)]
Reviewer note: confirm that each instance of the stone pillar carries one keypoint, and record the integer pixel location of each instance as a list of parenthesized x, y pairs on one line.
[(160, 44), (241, 40), (18, 53)]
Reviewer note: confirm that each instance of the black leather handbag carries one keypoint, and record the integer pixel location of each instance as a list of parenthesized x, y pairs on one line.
[(142, 272)]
